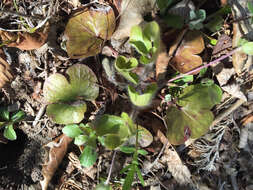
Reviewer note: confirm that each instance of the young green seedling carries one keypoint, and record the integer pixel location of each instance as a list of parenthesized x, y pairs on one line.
[(83, 135), (146, 41), (8, 121)]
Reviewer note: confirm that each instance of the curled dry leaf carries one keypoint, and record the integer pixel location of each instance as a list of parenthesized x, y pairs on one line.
[(186, 58), (25, 40), (87, 30), (5, 71), (170, 157), (57, 150)]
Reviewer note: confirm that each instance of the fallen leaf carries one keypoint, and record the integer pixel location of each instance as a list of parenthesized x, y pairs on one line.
[(87, 30), (5, 70), (235, 90), (57, 150), (186, 58), (248, 119), (25, 40), (171, 158), (224, 42), (131, 14)]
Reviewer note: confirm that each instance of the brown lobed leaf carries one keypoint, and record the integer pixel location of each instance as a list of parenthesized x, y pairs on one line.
[(186, 58), (87, 30), (5, 70), (25, 40), (57, 150)]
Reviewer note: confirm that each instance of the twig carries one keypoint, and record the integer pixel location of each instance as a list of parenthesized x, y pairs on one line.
[(110, 170), (228, 111), (39, 115), (21, 14), (207, 65)]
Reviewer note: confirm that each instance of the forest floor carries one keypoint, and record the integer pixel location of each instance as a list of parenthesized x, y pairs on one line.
[(221, 159)]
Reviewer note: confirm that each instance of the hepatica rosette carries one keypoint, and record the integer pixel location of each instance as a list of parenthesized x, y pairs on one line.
[(191, 116), (66, 95)]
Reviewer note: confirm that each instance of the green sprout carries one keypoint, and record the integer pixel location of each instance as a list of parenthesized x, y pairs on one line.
[(8, 120)]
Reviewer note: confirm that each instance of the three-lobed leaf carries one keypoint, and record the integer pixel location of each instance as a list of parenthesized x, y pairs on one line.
[(146, 41), (60, 91), (192, 117), (124, 66), (87, 30), (63, 113), (88, 156), (144, 99)]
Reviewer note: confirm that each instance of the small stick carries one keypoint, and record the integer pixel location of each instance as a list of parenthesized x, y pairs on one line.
[(228, 111), (21, 14), (110, 170), (39, 115)]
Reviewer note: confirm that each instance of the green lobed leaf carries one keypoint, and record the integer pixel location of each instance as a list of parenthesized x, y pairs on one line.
[(108, 124), (200, 96), (88, 156), (187, 123), (192, 117), (124, 67), (144, 99), (87, 30), (112, 141), (146, 41), (66, 114), (72, 130), (248, 48), (10, 133), (127, 149), (80, 139), (82, 84)]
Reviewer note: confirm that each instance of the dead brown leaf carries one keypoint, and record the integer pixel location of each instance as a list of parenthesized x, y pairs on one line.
[(5, 70), (25, 40), (247, 119), (186, 58), (57, 150), (176, 167), (131, 14)]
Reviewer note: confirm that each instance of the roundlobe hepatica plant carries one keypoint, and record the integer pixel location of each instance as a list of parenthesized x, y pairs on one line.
[(66, 95), (191, 116)]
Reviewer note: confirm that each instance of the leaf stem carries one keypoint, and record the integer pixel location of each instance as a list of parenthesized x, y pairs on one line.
[(207, 65)]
